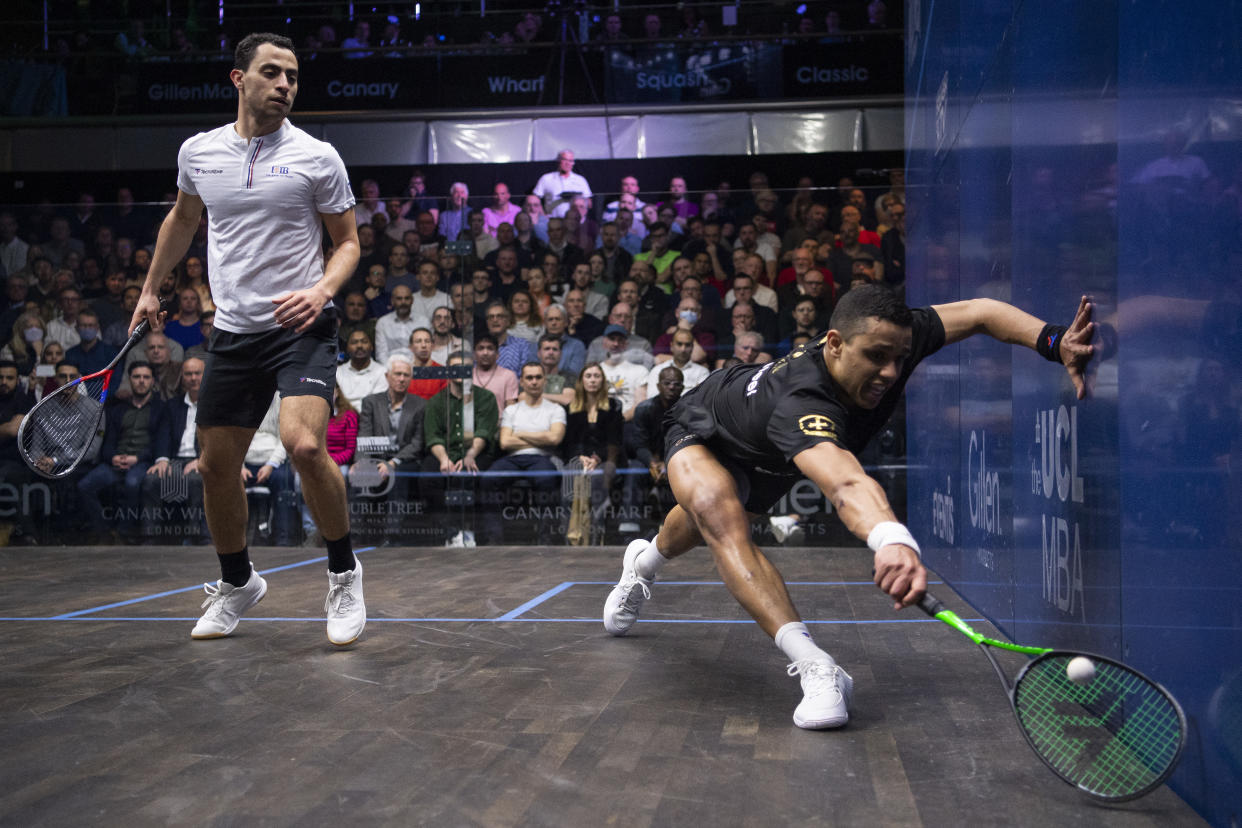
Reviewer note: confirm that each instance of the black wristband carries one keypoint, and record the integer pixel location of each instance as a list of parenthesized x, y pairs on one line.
[(1049, 342)]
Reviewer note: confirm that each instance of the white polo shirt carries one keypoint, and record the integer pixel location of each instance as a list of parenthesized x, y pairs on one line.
[(551, 185), (263, 197)]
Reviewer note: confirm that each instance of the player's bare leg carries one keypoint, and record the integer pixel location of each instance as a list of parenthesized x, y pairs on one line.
[(223, 450), (303, 426), (705, 489)]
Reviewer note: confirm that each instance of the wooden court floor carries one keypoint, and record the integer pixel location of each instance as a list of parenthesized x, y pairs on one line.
[(486, 692)]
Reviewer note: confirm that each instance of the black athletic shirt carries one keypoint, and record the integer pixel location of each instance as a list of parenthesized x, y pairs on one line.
[(766, 414)]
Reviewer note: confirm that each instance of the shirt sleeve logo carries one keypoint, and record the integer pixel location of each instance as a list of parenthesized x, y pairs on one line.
[(816, 425)]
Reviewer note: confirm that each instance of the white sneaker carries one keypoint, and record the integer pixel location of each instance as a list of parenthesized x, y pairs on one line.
[(467, 538), (347, 613), (225, 604), (783, 526), (827, 691), (628, 596), (457, 541)]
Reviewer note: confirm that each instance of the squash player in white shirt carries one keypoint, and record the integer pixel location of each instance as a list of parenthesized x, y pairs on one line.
[(269, 189)]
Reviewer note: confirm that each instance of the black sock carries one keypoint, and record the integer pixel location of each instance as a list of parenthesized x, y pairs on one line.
[(341, 555), (235, 567)]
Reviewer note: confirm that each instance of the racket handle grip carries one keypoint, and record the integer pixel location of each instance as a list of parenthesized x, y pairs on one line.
[(930, 604)]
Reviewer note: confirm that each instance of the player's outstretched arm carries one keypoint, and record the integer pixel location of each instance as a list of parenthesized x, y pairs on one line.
[(176, 233), (1069, 346), (861, 504)]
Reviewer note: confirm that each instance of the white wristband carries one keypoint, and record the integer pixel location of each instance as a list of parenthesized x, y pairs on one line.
[(888, 531)]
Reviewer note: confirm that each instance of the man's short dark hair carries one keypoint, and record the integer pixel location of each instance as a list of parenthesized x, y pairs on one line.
[(867, 302), (548, 338), (479, 339), (243, 55), (8, 363), (531, 364), (136, 364)]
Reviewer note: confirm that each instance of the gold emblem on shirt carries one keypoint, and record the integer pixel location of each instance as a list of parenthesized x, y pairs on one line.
[(816, 425)]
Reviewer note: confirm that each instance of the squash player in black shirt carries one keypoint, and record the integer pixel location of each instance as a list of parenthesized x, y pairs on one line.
[(741, 439)]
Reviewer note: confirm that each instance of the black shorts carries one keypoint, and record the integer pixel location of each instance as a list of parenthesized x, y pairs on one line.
[(244, 371), (759, 489)]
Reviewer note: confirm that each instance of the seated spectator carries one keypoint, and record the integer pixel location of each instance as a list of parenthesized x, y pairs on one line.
[(679, 200), (633, 233), (893, 245), (376, 293), (558, 386), (747, 348), (580, 229), (743, 316), (354, 318), (62, 327), (360, 376), (532, 207), (617, 259), (161, 354), (342, 433), (650, 303), (661, 255), (629, 187), (514, 351), (647, 436), (841, 258), (392, 330), (567, 253), (507, 277), (593, 430), (423, 385), (682, 349), (457, 454), (429, 296), (176, 451), (638, 349), (419, 201), (537, 287), (359, 41), (26, 342), (390, 434), (744, 292), (573, 351), (526, 321), (91, 354), (497, 379), (806, 280), (702, 339), (456, 215), (582, 280), (185, 329), (130, 427), (443, 341), (531, 431), (719, 256), (626, 378), (430, 239), (805, 321), (501, 210), (117, 333), (529, 246), (581, 325)]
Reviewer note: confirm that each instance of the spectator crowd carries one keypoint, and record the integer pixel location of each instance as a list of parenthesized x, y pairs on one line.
[(536, 330)]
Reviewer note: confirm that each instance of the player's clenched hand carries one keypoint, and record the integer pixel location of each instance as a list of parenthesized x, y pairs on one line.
[(1075, 345), (900, 574), (148, 308), (300, 308)]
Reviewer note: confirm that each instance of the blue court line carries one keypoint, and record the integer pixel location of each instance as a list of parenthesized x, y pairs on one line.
[(534, 602), (69, 615)]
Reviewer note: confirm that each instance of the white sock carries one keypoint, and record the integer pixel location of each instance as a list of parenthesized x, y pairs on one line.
[(797, 644), (649, 561)]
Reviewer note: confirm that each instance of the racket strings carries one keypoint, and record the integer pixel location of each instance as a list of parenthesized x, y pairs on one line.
[(60, 430), (1115, 736)]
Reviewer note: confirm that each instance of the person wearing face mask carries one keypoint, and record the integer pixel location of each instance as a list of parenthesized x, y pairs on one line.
[(25, 345), (689, 316), (91, 354)]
